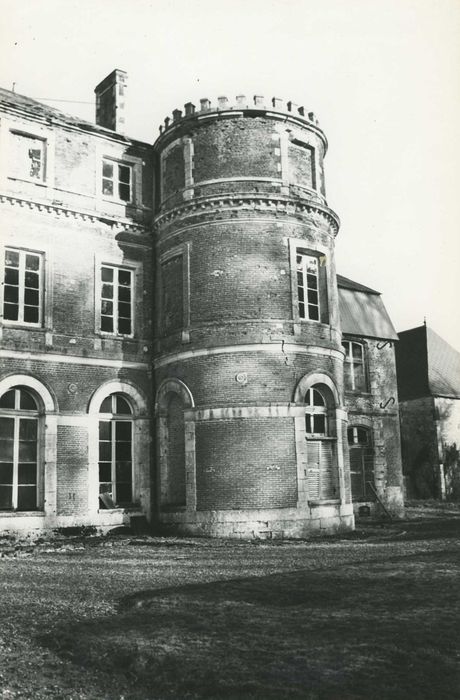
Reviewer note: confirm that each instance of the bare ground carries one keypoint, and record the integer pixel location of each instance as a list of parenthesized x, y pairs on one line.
[(373, 614)]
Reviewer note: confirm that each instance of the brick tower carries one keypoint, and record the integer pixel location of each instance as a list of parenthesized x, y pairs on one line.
[(251, 425)]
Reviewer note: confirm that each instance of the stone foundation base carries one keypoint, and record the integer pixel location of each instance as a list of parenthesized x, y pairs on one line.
[(35, 523), (260, 524)]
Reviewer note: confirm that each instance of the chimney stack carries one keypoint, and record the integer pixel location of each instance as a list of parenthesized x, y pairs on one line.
[(110, 101)]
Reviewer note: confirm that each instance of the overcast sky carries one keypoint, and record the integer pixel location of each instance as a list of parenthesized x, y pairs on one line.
[(382, 76)]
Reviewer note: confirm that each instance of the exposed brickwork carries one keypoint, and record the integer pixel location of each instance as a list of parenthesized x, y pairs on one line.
[(246, 464), (222, 149), (72, 470)]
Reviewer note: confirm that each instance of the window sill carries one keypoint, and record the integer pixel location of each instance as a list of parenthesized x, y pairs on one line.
[(23, 325), (114, 336), (312, 436), (327, 502), (21, 513), (28, 181), (356, 392)]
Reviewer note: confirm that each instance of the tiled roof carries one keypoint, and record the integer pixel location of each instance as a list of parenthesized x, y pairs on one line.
[(362, 311), (443, 366), (427, 365), (346, 283)]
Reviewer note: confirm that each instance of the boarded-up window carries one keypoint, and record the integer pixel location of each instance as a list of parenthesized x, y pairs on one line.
[(322, 470), (172, 295), (302, 164), (27, 157), (173, 170), (173, 480)]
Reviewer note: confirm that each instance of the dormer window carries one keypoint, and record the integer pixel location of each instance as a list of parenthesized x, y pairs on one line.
[(117, 180), (27, 154)]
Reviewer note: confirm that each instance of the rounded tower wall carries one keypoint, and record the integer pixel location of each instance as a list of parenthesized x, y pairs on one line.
[(247, 309)]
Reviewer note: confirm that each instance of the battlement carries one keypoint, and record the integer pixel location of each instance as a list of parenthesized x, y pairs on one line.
[(257, 104)]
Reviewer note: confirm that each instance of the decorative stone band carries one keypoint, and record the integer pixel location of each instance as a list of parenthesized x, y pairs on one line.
[(271, 411), (72, 360), (277, 204), (61, 212), (253, 347)]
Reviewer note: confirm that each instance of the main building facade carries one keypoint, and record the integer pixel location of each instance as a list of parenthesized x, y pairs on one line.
[(175, 341)]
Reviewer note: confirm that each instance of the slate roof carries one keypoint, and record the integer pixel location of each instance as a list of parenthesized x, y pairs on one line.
[(37, 110), (362, 311), (427, 365)]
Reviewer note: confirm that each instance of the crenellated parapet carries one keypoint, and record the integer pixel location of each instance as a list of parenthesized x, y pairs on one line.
[(273, 106)]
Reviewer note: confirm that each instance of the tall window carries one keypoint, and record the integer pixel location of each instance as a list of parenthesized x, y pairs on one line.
[(354, 366), (361, 463), (117, 180), (23, 286), (27, 154), (308, 287), (315, 413), (116, 300), (322, 475), (19, 459), (115, 451)]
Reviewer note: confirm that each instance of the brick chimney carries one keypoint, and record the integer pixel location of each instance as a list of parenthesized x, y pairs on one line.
[(110, 101)]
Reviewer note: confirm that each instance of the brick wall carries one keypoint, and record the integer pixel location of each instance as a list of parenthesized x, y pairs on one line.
[(246, 464), (72, 470), (236, 147)]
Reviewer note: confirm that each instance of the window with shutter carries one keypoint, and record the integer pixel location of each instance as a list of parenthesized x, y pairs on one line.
[(321, 470)]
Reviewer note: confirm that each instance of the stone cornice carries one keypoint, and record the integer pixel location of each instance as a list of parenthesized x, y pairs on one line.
[(244, 203), (62, 212)]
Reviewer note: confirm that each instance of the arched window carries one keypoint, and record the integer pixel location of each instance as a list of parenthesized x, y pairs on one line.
[(322, 471), (315, 413), (115, 451), (19, 450), (361, 463)]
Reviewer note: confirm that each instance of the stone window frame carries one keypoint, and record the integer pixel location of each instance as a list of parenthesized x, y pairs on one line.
[(45, 305), (348, 360), (133, 266), (116, 181), (183, 250), (46, 442), (299, 246), (140, 443), (108, 151), (31, 130)]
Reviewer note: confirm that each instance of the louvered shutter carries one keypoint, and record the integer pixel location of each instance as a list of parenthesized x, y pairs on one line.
[(321, 470), (313, 461)]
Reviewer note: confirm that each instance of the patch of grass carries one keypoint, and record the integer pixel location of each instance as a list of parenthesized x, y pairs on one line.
[(343, 619)]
